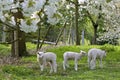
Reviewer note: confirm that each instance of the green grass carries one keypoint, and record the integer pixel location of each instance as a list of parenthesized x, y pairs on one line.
[(4, 49), (28, 68)]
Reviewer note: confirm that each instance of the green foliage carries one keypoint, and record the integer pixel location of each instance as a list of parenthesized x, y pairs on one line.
[(108, 47)]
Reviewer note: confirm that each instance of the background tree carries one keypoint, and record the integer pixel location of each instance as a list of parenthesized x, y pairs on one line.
[(98, 13)]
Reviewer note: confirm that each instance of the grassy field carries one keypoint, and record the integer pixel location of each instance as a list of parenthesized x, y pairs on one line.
[(27, 68)]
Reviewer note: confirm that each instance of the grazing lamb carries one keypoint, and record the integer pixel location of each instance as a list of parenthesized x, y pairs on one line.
[(72, 55), (48, 57), (93, 54)]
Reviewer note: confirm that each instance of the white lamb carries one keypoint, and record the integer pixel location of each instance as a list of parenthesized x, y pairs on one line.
[(48, 57), (93, 54), (72, 55)]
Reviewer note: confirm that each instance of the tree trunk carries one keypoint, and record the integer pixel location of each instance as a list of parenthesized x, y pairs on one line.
[(12, 44), (4, 34), (76, 23), (45, 37), (83, 33), (22, 45), (69, 35), (95, 26), (18, 45), (95, 34), (38, 41)]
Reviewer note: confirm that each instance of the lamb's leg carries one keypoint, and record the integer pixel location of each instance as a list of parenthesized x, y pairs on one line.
[(42, 67), (89, 59), (51, 67), (76, 64), (93, 63), (43, 64), (64, 66), (54, 65), (66, 61), (101, 66)]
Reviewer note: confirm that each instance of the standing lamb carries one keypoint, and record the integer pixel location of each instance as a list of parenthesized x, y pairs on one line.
[(72, 55), (93, 54), (48, 57)]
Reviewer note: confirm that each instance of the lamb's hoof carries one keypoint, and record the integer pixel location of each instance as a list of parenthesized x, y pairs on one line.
[(75, 69)]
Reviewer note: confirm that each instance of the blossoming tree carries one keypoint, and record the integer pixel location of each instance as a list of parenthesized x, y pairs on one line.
[(23, 16), (101, 13)]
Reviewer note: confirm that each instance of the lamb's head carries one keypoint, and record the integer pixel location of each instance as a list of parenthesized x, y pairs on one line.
[(40, 54), (83, 53), (104, 53)]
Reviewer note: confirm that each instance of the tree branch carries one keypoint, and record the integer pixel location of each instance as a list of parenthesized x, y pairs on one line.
[(60, 33), (89, 15), (13, 27), (10, 41)]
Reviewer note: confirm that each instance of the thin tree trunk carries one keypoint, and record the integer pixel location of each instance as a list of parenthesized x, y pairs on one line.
[(64, 35), (73, 30), (44, 37), (95, 34), (60, 33), (38, 41), (83, 42), (69, 35), (16, 44), (76, 23), (4, 34), (12, 44)]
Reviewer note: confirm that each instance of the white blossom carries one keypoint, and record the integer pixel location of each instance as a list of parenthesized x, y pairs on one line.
[(34, 15), (29, 9), (28, 28), (53, 20), (39, 4), (2, 16), (53, 1), (50, 10), (81, 1), (13, 21)]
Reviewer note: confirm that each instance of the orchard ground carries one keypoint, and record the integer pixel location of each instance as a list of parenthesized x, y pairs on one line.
[(27, 68)]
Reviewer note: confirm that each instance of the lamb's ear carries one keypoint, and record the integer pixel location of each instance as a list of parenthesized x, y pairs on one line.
[(105, 51), (40, 53)]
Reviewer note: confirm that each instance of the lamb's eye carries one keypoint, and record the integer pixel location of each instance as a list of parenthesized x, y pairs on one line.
[(39, 54)]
